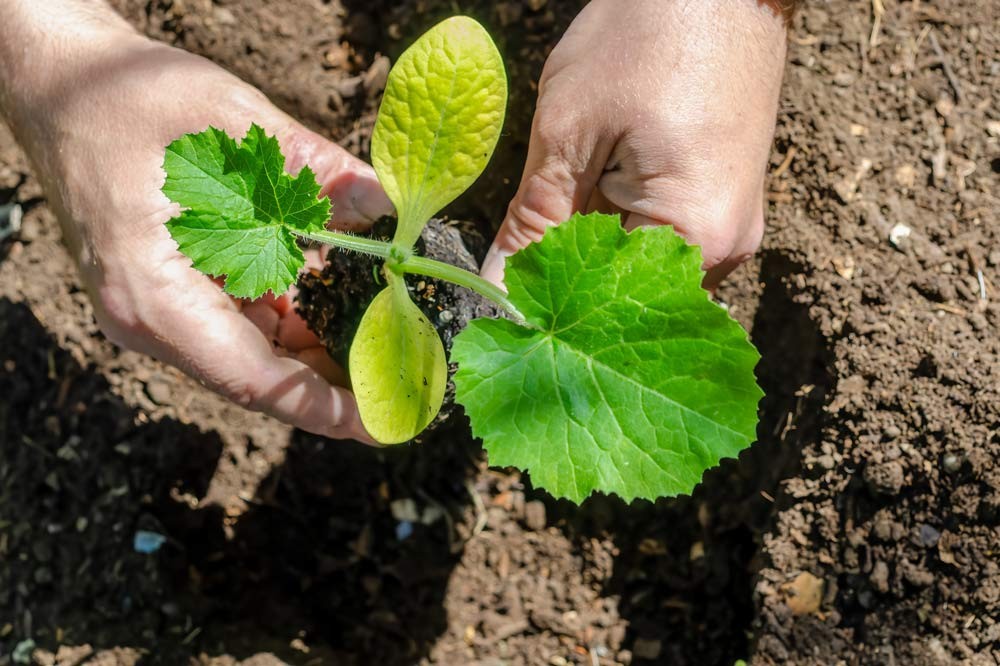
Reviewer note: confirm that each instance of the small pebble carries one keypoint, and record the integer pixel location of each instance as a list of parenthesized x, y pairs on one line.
[(225, 16), (898, 235), (885, 478), (158, 390), (951, 463), (843, 78), (147, 542), (892, 432), (647, 648), (404, 530), (10, 219), (22, 652), (534, 515), (929, 536), (42, 551), (826, 461)]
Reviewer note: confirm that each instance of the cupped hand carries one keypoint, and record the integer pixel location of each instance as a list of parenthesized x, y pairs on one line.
[(661, 111), (97, 137)]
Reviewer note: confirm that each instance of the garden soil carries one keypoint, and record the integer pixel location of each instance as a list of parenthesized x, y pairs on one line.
[(863, 528)]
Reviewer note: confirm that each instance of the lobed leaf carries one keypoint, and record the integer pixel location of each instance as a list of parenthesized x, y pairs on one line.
[(628, 378), (398, 367), (240, 209), (439, 121)]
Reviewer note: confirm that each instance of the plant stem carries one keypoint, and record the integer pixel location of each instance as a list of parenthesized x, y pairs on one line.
[(463, 278), (344, 241), (417, 265)]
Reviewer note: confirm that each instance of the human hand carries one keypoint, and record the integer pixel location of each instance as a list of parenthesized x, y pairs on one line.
[(97, 135), (661, 111)]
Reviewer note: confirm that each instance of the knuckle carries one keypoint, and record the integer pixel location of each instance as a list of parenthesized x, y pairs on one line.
[(299, 146), (530, 212), (245, 395), (754, 234), (553, 131), (731, 237), (116, 317)]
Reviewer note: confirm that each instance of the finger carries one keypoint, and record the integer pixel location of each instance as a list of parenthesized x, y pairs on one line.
[(601, 204), (319, 360), (724, 245), (223, 349), (563, 166), (280, 304), (264, 316), (358, 198), (294, 334)]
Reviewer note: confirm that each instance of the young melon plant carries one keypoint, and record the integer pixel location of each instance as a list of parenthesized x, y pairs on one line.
[(615, 372)]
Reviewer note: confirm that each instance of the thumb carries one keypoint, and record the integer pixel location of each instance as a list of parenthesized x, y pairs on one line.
[(213, 342), (358, 198), (563, 166)]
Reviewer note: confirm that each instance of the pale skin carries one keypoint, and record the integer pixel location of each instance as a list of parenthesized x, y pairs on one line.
[(662, 111)]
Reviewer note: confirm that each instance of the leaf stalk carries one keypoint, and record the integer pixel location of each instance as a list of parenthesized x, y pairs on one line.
[(404, 262)]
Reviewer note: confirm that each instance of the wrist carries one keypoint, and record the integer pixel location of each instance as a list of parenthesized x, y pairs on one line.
[(46, 48)]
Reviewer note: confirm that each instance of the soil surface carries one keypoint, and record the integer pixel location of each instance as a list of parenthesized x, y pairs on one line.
[(863, 528)]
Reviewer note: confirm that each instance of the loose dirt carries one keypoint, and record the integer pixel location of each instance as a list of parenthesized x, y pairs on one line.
[(863, 528)]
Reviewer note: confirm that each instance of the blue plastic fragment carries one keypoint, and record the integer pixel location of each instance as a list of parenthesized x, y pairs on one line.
[(22, 651), (404, 529), (147, 542)]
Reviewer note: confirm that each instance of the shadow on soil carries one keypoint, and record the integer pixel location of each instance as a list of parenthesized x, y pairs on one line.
[(78, 477), (317, 555), (685, 569)]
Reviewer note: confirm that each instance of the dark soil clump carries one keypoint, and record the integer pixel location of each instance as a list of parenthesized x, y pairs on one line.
[(333, 300)]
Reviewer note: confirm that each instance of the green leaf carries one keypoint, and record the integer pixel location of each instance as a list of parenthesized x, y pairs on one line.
[(241, 209), (629, 380), (398, 368), (439, 121)]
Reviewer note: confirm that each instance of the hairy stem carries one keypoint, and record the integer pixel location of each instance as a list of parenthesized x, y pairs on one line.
[(344, 241), (461, 277), (408, 263)]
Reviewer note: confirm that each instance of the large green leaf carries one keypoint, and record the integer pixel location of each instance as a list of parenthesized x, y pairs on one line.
[(240, 208), (628, 378), (439, 121), (398, 368)]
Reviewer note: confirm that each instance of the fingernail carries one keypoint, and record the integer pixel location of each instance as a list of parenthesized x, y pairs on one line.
[(359, 198), (353, 429), (493, 265), (370, 200)]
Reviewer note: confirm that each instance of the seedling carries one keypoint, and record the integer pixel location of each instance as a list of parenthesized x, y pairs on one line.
[(614, 372)]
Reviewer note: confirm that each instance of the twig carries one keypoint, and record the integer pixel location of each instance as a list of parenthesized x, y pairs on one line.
[(953, 309), (785, 163), (948, 72), (977, 270), (878, 11), (477, 501)]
